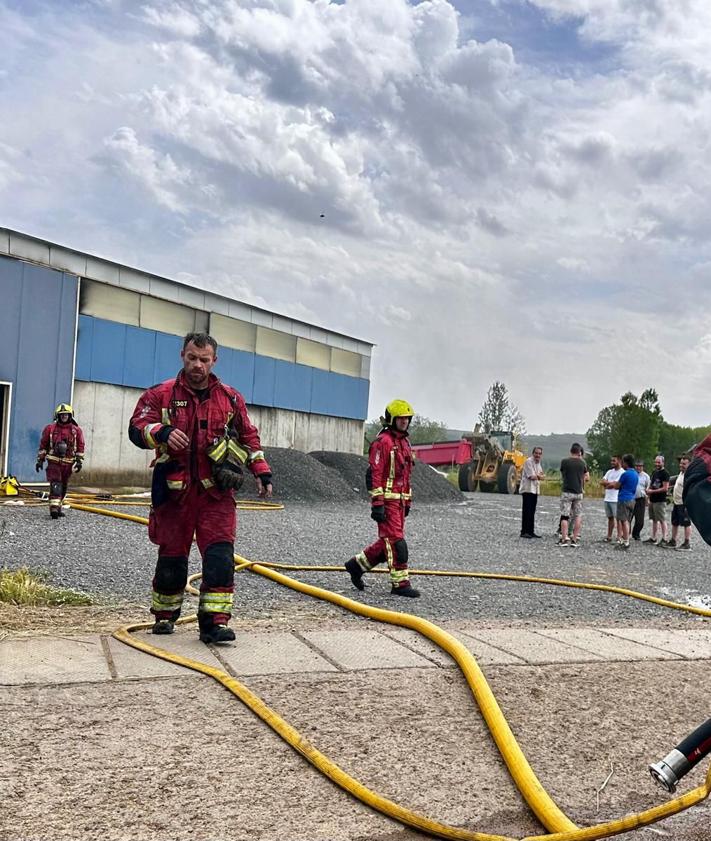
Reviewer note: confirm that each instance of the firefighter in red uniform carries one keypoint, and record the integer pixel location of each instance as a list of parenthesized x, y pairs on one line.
[(388, 482), (62, 444), (203, 438)]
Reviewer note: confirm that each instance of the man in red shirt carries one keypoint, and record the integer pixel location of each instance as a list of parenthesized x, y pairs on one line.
[(62, 444), (388, 482), (203, 438)]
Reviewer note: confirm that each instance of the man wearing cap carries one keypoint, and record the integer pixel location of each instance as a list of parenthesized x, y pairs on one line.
[(640, 499)]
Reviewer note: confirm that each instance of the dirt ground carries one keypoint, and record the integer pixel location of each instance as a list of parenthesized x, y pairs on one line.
[(179, 758)]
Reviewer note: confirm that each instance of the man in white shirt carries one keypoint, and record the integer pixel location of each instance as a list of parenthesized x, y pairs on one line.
[(608, 482), (640, 499), (531, 476)]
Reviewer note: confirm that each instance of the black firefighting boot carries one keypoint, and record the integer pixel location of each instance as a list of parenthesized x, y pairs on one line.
[(408, 591), (163, 626), (54, 513), (217, 633), (211, 631), (356, 573)]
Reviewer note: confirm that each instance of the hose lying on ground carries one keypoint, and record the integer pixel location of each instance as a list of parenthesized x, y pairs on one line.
[(560, 827)]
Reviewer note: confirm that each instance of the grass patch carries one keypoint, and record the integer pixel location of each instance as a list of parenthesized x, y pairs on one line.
[(22, 587)]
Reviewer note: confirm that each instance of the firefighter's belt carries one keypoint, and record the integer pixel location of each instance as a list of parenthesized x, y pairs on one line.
[(60, 460)]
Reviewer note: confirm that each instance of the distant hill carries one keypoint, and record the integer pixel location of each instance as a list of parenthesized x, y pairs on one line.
[(555, 446)]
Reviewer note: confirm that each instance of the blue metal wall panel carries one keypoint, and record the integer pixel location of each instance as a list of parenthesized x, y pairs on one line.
[(292, 386), (167, 358), (150, 357), (339, 395), (264, 372), (107, 351), (37, 321), (139, 357), (236, 368)]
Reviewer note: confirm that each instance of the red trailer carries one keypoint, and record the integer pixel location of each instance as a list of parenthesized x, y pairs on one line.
[(444, 453)]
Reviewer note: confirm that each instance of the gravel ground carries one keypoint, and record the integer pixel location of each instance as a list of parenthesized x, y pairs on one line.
[(114, 560)]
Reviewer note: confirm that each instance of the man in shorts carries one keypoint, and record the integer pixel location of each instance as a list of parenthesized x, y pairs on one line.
[(611, 491), (626, 485), (574, 475), (680, 516), (657, 496)]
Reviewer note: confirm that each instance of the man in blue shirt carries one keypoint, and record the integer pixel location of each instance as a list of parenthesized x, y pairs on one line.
[(627, 484)]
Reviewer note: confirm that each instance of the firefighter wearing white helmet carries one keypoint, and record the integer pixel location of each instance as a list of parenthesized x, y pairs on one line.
[(388, 483), (62, 445)]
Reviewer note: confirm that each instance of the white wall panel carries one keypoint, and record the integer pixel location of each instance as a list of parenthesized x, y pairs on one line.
[(67, 261), (166, 316), (275, 344), (233, 333), (29, 249), (111, 302), (99, 269)]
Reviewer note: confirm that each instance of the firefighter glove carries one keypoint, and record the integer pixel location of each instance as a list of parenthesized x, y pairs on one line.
[(407, 510), (39, 464), (77, 465), (377, 513), (229, 476)]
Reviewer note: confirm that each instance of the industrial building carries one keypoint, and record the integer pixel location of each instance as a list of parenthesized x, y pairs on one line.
[(86, 330)]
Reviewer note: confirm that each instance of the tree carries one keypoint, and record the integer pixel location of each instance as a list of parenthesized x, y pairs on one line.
[(631, 426), (498, 412)]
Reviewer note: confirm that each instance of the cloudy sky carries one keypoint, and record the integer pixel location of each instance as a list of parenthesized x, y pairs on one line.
[(486, 189)]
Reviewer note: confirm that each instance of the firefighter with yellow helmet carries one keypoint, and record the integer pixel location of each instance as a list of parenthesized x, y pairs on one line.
[(388, 482), (62, 445)]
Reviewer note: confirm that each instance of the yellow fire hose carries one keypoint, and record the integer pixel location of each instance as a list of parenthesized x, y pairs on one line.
[(560, 827)]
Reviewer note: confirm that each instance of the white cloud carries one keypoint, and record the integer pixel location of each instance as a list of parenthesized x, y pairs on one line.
[(374, 167)]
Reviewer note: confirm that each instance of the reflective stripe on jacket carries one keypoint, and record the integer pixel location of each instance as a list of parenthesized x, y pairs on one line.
[(391, 462)]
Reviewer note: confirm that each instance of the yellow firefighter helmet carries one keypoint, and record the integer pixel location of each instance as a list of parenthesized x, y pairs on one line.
[(63, 409), (398, 409)]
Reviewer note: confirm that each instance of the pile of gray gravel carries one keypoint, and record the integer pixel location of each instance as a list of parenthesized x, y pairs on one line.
[(427, 484), (300, 478)]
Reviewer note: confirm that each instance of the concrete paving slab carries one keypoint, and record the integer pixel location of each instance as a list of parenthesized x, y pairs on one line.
[(50, 660), (274, 653), (607, 646), (421, 645), (185, 642), (130, 663), (694, 645), (533, 648), (487, 655), (354, 650)]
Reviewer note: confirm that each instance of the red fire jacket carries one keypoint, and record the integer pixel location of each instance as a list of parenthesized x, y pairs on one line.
[(173, 405), (391, 463), (71, 433)]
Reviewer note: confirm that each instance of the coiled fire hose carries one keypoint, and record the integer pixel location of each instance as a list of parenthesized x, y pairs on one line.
[(559, 825)]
